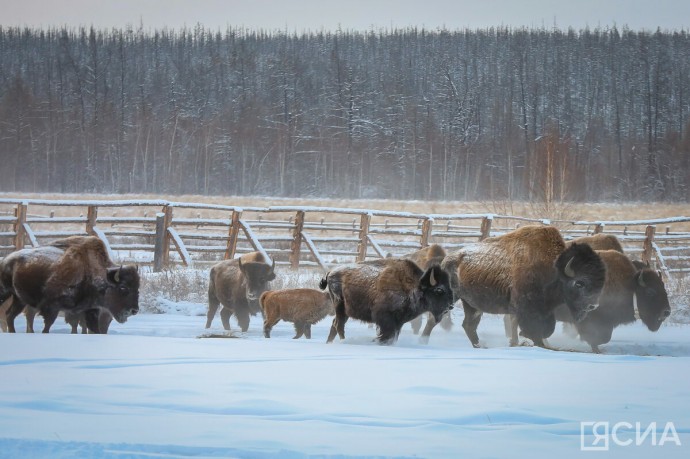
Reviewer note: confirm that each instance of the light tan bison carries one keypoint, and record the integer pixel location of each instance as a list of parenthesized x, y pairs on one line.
[(302, 306)]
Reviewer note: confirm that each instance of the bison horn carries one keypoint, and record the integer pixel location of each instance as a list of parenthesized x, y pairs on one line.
[(116, 278), (432, 280), (640, 280), (273, 265), (568, 270)]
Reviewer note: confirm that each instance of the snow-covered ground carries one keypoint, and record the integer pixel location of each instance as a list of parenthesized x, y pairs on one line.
[(152, 388)]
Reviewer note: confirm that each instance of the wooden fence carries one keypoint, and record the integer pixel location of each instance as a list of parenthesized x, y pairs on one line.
[(165, 233)]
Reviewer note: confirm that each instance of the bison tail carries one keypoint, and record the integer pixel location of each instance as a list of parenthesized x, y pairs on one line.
[(324, 282)]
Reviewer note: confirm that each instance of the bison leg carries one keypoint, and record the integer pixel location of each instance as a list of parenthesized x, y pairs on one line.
[(307, 331), (430, 324), (13, 311), (73, 321), (388, 333), (242, 319), (30, 314), (225, 314), (471, 322), (269, 323), (49, 316), (446, 322), (92, 323), (511, 327), (213, 305), (416, 324), (104, 320), (299, 330), (338, 325), (595, 333)]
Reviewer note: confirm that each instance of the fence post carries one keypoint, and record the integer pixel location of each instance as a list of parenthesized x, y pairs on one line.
[(20, 220), (363, 237), (233, 233), (159, 247), (486, 227), (161, 256), (648, 248), (296, 243), (427, 224), (599, 228), (91, 216)]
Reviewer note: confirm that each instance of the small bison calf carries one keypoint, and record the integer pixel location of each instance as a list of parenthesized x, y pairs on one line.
[(301, 306)]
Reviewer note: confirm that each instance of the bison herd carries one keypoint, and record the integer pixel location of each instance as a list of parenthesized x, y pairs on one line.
[(531, 275)]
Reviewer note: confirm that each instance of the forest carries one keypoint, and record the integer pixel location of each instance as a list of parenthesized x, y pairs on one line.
[(494, 114)]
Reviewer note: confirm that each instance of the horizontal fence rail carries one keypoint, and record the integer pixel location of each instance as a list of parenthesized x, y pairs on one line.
[(166, 233)]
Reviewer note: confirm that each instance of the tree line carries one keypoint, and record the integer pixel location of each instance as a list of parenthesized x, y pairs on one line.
[(494, 114)]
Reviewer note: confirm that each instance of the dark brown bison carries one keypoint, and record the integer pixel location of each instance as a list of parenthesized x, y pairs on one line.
[(599, 241), (527, 272), (302, 306), (425, 257), (628, 292), (73, 275), (387, 294), (237, 285)]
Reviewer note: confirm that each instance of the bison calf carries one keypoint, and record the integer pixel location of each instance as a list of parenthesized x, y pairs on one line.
[(302, 306)]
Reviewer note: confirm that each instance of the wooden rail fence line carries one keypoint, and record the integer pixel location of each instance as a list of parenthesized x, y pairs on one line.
[(165, 234)]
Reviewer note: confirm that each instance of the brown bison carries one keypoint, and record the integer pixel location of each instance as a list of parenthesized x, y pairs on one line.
[(628, 292), (302, 306), (237, 285), (527, 272), (599, 241), (73, 275), (387, 294), (425, 257)]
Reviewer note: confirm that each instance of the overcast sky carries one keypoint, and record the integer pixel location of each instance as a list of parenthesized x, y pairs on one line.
[(300, 15)]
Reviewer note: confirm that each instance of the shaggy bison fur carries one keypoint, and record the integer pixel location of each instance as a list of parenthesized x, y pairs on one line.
[(527, 272), (387, 294)]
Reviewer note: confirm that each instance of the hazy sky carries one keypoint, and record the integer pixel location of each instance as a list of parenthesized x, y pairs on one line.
[(298, 15)]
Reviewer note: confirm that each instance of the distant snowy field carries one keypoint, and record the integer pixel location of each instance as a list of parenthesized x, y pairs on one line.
[(152, 389)]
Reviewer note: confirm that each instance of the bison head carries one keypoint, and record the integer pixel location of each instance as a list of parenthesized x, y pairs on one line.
[(257, 275), (581, 275), (436, 292), (121, 296), (651, 298)]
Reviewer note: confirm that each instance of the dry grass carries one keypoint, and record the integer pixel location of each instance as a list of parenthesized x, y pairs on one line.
[(569, 211)]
